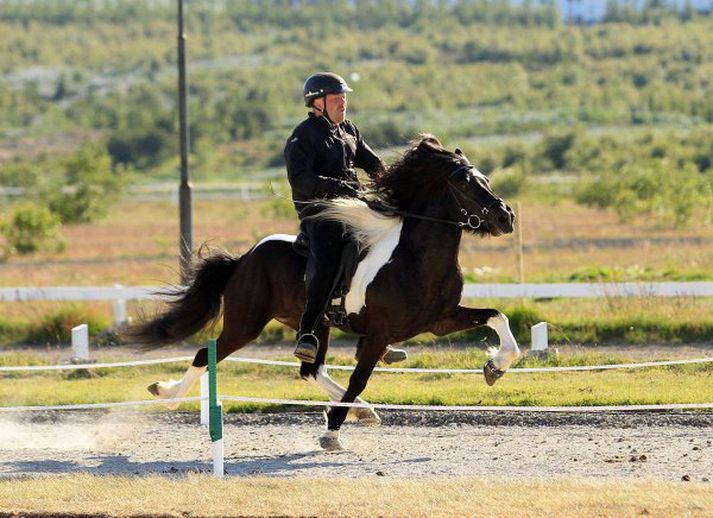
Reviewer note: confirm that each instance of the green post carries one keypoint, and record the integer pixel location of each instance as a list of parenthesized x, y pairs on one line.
[(215, 423)]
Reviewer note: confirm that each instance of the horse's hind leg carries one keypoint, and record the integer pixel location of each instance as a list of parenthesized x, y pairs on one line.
[(357, 383), (317, 373), (229, 341)]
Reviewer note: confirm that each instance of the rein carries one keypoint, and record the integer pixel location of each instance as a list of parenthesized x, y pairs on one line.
[(472, 221)]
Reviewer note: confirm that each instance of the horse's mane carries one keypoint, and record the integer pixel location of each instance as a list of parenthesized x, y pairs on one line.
[(420, 173), (413, 180)]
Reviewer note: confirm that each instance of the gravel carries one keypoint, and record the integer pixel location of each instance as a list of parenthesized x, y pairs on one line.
[(671, 446)]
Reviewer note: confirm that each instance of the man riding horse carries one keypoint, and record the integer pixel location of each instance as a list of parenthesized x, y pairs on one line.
[(321, 155)]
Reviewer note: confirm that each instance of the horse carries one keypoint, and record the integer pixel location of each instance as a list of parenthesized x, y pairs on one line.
[(407, 282)]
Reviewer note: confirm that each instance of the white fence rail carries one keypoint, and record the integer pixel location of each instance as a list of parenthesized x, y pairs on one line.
[(590, 290), (120, 294)]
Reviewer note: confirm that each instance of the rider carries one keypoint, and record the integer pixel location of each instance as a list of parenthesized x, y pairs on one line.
[(321, 155)]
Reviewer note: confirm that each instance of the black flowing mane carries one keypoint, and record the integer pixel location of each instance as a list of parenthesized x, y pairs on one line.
[(420, 174)]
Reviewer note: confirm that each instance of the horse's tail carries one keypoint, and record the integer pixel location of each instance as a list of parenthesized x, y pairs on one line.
[(191, 307)]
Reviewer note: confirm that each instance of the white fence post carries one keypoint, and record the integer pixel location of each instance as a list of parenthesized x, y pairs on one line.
[(80, 343), (205, 404), (219, 450), (538, 338), (119, 310)]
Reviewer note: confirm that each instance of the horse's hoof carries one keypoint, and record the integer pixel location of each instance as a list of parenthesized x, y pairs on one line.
[(394, 355), (492, 373), (367, 417), (153, 388), (330, 442)]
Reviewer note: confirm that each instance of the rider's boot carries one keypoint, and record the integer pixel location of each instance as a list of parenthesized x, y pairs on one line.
[(307, 347)]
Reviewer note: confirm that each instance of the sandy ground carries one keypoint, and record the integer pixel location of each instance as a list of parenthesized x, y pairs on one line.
[(666, 446)]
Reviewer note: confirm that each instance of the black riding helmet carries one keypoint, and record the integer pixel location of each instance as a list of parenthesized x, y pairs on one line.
[(323, 83)]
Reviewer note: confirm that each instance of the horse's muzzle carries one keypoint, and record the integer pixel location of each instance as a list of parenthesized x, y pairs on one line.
[(503, 221)]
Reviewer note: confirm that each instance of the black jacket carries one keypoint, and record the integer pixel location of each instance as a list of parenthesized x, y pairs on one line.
[(321, 158)]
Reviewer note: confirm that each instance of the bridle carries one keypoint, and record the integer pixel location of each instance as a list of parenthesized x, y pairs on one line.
[(472, 221)]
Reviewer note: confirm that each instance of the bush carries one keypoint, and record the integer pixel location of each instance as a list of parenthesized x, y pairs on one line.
[(386, 134), (90, 186), (56, 328), (142, 149), (19, 174), (509, 182), (32, 229), (555, 149), (655, 188)]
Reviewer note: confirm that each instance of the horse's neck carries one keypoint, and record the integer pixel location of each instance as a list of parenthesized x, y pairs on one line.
[(436, 244)]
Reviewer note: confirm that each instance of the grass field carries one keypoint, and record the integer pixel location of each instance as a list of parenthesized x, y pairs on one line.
[(136, 245), (660, 385), (201, 495)]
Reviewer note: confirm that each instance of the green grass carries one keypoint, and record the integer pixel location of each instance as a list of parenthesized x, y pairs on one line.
[(660, 385)]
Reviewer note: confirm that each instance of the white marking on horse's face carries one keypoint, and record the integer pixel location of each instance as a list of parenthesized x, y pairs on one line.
[(277, 237), (379, 254)]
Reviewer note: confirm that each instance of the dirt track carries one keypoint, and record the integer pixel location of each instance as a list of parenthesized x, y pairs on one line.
[(667, 446)]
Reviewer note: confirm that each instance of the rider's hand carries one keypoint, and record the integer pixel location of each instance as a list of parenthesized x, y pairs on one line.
[(347, 189)]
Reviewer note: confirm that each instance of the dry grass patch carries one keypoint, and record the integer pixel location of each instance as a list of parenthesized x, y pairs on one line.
[(202, 495)]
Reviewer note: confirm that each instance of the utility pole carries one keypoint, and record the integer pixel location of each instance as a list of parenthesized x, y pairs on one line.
[(184, 191)]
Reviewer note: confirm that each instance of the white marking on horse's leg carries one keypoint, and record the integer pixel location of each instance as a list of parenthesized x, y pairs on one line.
[(175, 389), (336, 392), (509, 351), (329, 441)]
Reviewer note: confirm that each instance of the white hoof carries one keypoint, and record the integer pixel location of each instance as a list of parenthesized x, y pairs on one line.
[(159, 390), (366, 417), (329, 441)]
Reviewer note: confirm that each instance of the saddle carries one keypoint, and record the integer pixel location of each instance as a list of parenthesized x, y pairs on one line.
[(336, 312)]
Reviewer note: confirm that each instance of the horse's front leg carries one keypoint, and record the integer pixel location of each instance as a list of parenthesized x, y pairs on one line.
[(357, 383), (462, 319)]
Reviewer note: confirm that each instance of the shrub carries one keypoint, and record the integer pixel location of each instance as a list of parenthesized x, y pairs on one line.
[(32, 229), (556, 147), (656, 188), (56, 327), (509, 182), (90, 186), (142, 149), (386, 134)]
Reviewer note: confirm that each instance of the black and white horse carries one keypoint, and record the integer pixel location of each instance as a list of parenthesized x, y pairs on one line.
[(409, 281)]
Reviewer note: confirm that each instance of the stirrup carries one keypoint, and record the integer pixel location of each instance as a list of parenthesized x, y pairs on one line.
[(306, 350)]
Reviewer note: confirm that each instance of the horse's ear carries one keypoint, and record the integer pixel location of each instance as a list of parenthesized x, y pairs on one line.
[(458, 151), (429, 141)]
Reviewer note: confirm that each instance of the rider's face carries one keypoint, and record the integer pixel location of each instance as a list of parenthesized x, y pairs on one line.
[(336, 106)]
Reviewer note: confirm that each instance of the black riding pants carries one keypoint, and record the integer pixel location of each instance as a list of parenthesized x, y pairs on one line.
[(327, 241)]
